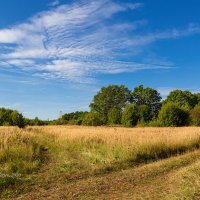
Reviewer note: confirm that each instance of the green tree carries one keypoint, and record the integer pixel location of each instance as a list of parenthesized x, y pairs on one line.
[(184, 99), (198, 97), (173, 116), (74, 118), (110, 97), (17, 119), (195, 115), (143, 113), (130, 115), (10, 117), (93, 119), (114, 116), (148, 97), (38, 122), (5, 116)]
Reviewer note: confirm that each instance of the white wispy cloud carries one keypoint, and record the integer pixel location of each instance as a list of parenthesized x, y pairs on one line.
[(76, 41), (54, 3)]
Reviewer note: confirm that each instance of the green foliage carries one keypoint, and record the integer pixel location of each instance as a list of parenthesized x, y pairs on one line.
[(172, 115), (10, 117), (114, 116), (143, 112), (195, 115), (148, 97), (75, 121), (110, 97), (197, 96), (130, 116), (109, 106), (184, 99), (154, 123), (93, 119), (17, 119), (73, 116), (36, 122)]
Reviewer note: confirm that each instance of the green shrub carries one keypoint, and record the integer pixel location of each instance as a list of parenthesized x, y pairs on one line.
[(11, 118), (171, 115), (154, 123), (184, 99), (195, 115), (17, 119), (114, 116), (5, 124), (130, 116), (93, 119), (144, 112), (75, 122)]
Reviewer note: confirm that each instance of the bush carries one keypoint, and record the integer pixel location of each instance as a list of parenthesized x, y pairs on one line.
[(195, 115), (154, 123), (10, 117), (130, 116), (93, 119), (184, 99), (114, 116), (17, 119), (75, 122), (143, 112), (171, 115)]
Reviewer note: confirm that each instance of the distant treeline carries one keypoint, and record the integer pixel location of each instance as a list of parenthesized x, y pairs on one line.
[(117, 105)]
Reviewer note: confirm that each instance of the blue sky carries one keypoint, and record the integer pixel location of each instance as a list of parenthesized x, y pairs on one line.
[(56, 55)]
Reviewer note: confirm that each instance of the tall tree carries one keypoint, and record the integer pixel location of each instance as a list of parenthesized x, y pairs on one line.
[(148, 97), (184, 99), (110, 97)]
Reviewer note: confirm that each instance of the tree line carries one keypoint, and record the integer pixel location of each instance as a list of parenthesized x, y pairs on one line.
[(117, 105)]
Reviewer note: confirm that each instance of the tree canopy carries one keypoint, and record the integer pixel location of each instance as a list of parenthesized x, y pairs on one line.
[(11, 117), (148, 97), (172, 115), (117, 105), (184, 99), (110, 97)]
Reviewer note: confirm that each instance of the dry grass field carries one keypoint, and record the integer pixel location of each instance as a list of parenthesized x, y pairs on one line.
[(74, 162)]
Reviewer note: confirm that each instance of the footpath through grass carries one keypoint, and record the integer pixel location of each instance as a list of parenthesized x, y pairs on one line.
[(43, 158)]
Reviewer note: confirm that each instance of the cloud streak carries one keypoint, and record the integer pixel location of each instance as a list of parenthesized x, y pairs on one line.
[(54, 3), (78, 41)]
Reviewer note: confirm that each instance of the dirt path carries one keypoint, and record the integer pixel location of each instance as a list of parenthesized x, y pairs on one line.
[(174, 178)]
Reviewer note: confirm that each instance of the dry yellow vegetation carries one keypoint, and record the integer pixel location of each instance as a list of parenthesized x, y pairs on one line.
[(125, 136), (75, 162)]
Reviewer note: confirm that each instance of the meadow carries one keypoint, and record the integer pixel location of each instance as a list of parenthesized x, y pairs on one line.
[(79, 162)]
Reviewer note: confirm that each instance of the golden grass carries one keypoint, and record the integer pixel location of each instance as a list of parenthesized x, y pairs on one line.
[(105, 145), (19, 154), (76, 152), (123, 135)]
